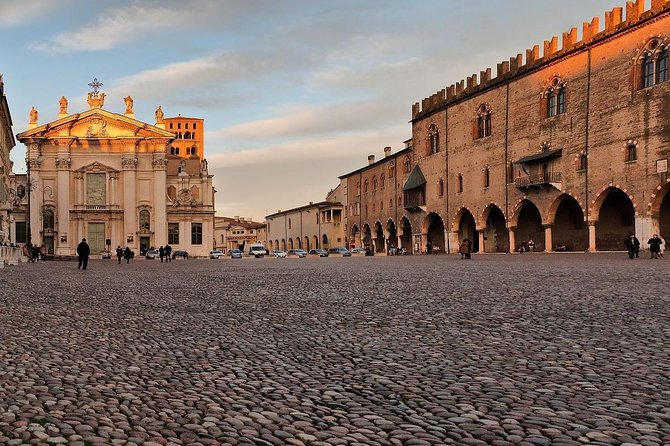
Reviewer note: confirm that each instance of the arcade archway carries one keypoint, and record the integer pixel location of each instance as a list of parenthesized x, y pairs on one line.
[(529, 225), (433, 227), (496, 236), (569, 231), (615, 219), (380, 246), (467, 230)]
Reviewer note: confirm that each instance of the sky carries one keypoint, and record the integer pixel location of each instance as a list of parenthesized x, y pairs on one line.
[(294, 93)]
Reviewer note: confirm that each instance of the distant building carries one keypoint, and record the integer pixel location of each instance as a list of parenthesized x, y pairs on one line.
[(238, 233), (315, 225), (189, 134), (112, 179), (7, 142)]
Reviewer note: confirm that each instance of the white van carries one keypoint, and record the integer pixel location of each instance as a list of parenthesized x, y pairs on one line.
[(257, 250)]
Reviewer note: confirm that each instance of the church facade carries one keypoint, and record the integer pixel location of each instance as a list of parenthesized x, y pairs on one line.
[(113, 180)]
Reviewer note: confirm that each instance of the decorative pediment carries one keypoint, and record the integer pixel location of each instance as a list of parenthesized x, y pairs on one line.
[(96, 124), (96, 167)]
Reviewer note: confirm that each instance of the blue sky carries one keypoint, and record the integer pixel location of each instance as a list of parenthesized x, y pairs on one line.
[(293, 93)]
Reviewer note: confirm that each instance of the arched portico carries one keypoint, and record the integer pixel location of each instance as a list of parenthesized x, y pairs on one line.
[(367, 236), (380, 245), (406, 235), (568, 229), (466, 229), (496, 236), (660, 211), (432, 234), (324, 242), (355, 237), (392, 234), (315, 242), (306, 245), (527, 222), (614, 217)]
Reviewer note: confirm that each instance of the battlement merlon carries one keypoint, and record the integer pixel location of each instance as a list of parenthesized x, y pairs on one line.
[(614, 22)]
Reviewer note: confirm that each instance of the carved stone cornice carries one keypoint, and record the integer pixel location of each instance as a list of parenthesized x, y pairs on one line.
[(159, 163), (63, 163), (129, 163)]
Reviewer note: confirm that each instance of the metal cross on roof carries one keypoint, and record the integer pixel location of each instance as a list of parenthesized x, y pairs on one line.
[(95, 85)]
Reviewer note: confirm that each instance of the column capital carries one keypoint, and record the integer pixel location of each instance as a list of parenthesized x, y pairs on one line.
[(63, 163), (129, 163)]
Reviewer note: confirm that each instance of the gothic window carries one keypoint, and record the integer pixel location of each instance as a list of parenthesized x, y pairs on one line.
[(581, 165), (48, 219), (374, 182), (381, 205), (196, 233), (391, 169), (554, 97), (382, 179), (652, 63), (648, 71), (144, 220), (662, 66), (407, 164), (365, 186), (487, 177), (631, 152), (441, 187), (433, 140), (482, 122), (358, 188), (459, 183)]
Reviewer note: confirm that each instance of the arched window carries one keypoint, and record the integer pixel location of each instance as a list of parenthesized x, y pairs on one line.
[(487, 177), (662, 66), (374, 182), (365, 186), (648, 67), (289, 223), (144, 220), (407, 164), (433, 140), (382, 179), (176, 151), (652, 63), (581, 164), (194, 151), (48, 219), (554, 95), (391, 169), (483, 122), (187, 135), (459, 183), (441, 187)]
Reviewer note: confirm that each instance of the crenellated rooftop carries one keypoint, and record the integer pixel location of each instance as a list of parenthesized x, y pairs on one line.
[(614, 23)]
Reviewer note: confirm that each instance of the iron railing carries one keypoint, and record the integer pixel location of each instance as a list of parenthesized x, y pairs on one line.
[(538, 180)]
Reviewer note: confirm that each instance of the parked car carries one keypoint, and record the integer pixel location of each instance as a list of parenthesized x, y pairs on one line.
[(318, 252), (344, 252), (257, 250), (216, 254), (300, 253), (358, 251), (235, 254), (182, 254), (151, 254), (279, 254)]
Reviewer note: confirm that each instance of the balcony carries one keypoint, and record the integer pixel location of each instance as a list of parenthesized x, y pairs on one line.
[(549, 178)]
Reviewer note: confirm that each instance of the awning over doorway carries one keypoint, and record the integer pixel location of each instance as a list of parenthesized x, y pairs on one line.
[(416, 179), (539, 157)]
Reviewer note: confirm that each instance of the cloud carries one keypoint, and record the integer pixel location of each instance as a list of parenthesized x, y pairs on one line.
[(116, 26), (18, 12)]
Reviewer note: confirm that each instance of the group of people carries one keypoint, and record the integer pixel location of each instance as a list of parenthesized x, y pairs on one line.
[(465, 249), (656, 246), (35, 253), (124, 254), (165, 252), (528, 246)]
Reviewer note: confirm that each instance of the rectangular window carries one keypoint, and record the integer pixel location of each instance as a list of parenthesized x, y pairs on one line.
[(561, 101), (196, 233), (96, 191), (663, 66), (552, 105), (648, 78), (194, 126), (173, 233), (21, 232)]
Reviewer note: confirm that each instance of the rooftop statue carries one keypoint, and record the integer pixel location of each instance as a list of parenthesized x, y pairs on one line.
[(129, 104), (63, 105), (33, 115), (159, 115)]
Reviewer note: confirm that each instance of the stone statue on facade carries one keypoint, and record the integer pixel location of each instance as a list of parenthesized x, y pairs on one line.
[(159, 115), (203, 167), (63, 105), (182, 166), (33, 115), (129, 104)]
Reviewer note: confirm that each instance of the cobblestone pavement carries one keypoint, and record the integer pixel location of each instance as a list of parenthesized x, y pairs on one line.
[(502, 350)]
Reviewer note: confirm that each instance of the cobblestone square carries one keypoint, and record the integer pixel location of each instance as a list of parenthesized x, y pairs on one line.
[(501, 350)]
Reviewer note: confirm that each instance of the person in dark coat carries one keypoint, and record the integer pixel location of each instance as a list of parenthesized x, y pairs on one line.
[(119, 253), (633, 246), (654, 246), (127, 253), (83, 251), (161, 253), (168, 253), (463, 249)]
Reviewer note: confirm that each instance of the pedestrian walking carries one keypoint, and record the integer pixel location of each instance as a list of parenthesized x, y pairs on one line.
[(633, 246), (531, 245), (161, 253), (524, 247), (463, 249), (127, 253), (83, 251), (119, 253), (468, 242), (168, 253), (43, 253), (654, 246)]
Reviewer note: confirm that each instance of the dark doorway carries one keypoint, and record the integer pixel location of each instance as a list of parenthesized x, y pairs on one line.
[(467, 229), (496, 236), (529, 226), (569, 230), (616, 221)]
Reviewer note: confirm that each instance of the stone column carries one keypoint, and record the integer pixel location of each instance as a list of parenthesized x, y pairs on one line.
[(592, 236), (63, 164), (454, 243), (129, 202), (548, 241), (160, 200), (512, 241), (34, 188), (480, 233)]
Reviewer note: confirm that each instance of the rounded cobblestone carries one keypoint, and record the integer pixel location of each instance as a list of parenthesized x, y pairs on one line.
[(499, 350)]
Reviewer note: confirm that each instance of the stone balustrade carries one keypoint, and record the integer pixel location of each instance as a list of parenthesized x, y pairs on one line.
[(10, 255)]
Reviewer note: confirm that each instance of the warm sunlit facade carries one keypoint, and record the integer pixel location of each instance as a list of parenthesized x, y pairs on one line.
[(568, 149), (189, 134)]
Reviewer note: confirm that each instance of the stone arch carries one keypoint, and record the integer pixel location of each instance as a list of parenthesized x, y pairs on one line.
[(379, 239), (614, 217), (290, 243), (433, 229), (306, 245), (283, 244), (366, 236), (659, 210), (298, 243), (355, 236), (464, 224), (391, 233), (406, 234), (324, 241), (315, 242), (276, 245), (496, 235), (566, 217), (527, 220)]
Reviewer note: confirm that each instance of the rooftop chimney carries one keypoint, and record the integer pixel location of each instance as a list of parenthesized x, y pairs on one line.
[(387, 151), (371, 159)]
